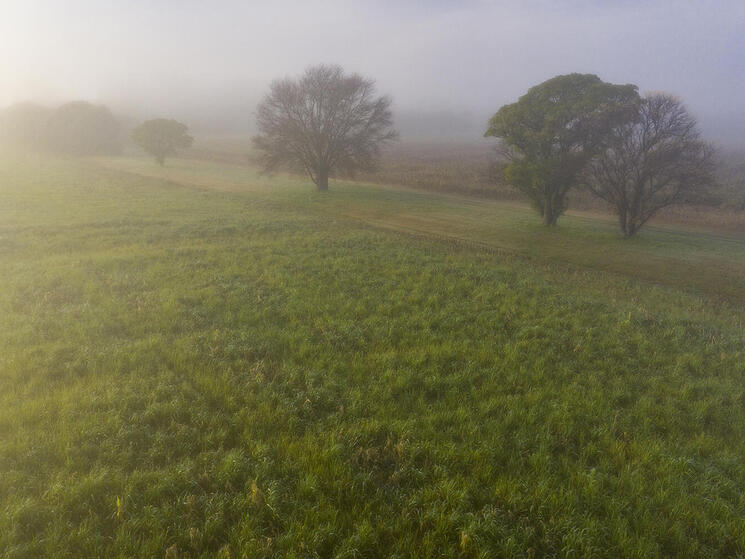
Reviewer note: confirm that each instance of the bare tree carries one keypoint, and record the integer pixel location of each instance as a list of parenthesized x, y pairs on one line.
[(651, 162), (324, 121)]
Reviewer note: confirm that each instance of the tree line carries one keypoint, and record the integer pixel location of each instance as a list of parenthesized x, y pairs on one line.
[(639, 154), (76, 128), (81, 128)]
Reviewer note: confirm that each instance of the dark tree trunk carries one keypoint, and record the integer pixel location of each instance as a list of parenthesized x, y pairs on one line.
[(550, 219), (550, 215), (322, 179), (622, 223), (629, 226)]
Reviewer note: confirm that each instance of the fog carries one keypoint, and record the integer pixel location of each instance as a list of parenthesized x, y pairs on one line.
[(447, 65)]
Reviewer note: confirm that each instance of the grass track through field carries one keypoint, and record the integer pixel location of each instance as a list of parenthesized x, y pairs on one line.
[(707, 263)]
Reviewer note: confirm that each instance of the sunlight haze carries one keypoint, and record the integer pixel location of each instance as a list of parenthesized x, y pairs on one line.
[(211, 61)]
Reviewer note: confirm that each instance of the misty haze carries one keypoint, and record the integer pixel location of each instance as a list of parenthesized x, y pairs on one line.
[(372, 279)]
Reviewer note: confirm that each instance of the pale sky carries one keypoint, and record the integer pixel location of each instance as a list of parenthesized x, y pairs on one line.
[(214, 57)]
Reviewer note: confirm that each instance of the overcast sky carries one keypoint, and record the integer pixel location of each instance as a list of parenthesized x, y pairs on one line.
[(192, 57)]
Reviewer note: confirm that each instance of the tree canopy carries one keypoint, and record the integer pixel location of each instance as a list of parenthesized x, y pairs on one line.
[(81, 128), (323, 121), (162, 137), (651, 162), (24, 124), (552, 132)]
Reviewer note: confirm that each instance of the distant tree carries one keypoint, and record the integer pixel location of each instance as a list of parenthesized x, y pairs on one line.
[(80, 128), (325, 120), (24, 124), (162, 137), (552, 132), (652, 162)]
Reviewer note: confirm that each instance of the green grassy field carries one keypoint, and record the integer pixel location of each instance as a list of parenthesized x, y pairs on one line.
[(198, 361)]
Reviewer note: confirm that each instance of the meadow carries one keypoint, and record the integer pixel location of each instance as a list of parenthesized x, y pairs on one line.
[(201, 361)]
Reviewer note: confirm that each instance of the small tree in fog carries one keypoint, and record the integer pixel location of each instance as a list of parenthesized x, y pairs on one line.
[(323, 121), (162, 137), (652, 162), (552, 132)]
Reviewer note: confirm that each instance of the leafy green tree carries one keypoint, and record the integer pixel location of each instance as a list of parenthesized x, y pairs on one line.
[(551, 133), (162, 137)]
